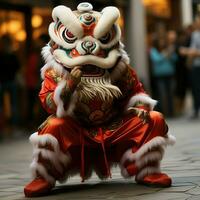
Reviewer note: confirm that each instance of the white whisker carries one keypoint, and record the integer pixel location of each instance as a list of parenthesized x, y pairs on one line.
[(99, 87)]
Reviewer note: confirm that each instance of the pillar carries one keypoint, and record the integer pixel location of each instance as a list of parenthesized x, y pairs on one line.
[(187, 13), (136, 39)]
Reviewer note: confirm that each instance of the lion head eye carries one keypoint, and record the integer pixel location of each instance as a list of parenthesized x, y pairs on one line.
[(68, 36), (106, 38)]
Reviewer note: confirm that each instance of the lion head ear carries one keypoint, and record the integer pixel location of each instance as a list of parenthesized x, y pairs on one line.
[(68, 19), (109, 16)]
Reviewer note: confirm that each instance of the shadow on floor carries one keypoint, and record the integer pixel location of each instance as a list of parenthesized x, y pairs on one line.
[(108, 186)]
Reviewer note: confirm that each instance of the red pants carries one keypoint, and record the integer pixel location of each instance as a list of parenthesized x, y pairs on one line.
[(91, 149)]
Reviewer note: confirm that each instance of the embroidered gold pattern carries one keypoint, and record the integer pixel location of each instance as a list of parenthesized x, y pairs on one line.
[(54, 75), (49, 102), (45, 123)]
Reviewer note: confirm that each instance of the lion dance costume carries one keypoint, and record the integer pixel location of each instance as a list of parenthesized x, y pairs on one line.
[(100, 113)]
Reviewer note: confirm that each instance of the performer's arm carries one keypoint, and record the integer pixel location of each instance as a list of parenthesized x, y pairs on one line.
[(57, 91), (136, 100)]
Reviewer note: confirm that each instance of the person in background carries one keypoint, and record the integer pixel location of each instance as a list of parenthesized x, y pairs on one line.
[(10, 66), (33, 80), (182, 70), (171, 39), (194, 54), (163, 60)]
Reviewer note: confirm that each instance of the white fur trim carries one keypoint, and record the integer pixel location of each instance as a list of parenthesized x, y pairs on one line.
[(41, 140), (147, 152), (153, 143), (37, 167), (147, 171), (104, 63), (124, 54), (61, 112), (152, 156), (57, 157), (68, 19), (49, 155), (143, 98), (50, 62), (149, 157), (108, 18), (171, 140)]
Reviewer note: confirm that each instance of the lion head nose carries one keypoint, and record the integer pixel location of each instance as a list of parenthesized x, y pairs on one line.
[(89, 47)]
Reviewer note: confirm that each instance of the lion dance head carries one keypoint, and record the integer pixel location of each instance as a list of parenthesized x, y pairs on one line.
[(89, 39)]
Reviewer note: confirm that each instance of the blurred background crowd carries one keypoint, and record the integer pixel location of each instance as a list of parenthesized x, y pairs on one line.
[(162, 38)]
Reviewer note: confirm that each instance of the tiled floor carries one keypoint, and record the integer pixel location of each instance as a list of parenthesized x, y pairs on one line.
[(182, 162)]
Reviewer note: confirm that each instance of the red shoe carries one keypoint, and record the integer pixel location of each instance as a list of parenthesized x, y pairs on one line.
[(37, 187), (158, 180)]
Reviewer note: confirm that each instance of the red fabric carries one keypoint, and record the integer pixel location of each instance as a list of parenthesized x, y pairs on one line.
[(100, 145), (137, 87), (159, 179), (37, 187), (105, 147), (129, 86), (48, 86)]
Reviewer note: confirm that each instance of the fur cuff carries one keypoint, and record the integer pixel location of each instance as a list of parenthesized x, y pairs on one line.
[(143, 98), (145, 154), (57, 158), (61, 112), (147, 171), (124, 55), (39, 168), (50, 62), (150, 157)]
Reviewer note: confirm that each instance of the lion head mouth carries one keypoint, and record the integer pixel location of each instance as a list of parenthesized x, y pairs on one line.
[(92, 71)]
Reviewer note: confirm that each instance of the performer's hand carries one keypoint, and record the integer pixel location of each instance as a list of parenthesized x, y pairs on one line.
[(141, 113), (73, 79), (76, 74)]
